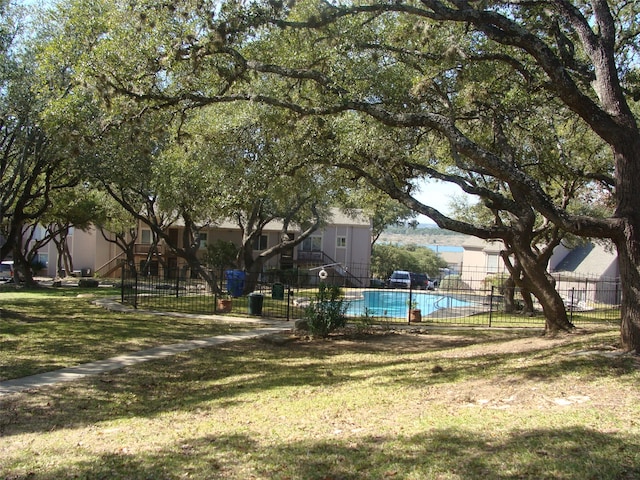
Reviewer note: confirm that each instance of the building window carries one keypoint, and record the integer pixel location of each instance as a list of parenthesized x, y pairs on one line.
[(41, 259), (202, 240), (260, 243), (145, 237), (312, 244), (341, 242), (492, 262)]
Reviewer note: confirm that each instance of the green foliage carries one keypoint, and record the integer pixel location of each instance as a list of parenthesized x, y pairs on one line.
[(220, 254), (37, 266), (384, 211), (496, 280), (387, 258), (453, 282), (327, 312), (364, 321), (78, 207), (287, 276)]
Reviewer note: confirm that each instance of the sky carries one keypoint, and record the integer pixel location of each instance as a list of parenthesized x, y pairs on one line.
[(437, 195)]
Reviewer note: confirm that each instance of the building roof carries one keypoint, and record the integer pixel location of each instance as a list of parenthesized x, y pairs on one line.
[(588, 259), (475, 243), (352, 218)]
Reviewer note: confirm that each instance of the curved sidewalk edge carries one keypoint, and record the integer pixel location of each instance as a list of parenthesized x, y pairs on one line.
[(101, 366)]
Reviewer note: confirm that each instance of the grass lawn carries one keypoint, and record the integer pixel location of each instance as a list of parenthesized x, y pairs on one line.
[(51, 328), (423, 404)]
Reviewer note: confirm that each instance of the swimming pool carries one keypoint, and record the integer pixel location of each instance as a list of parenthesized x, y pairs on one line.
[(394, 303)]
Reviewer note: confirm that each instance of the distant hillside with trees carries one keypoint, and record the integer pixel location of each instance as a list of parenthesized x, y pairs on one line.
[(422, 229), (421, 235)]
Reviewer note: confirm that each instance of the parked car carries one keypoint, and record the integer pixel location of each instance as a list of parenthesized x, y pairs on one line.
[(6, 270), (405, 279), (421, 281), (399, 279)]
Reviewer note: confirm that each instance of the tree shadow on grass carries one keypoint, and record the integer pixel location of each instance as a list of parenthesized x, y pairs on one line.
[(225, 375), (569, 453)]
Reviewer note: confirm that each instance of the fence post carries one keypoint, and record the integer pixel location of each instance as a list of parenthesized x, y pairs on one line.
[(573, 291), (288, 287), (177, 284), (135, 289), (491, 304), (122, 285)]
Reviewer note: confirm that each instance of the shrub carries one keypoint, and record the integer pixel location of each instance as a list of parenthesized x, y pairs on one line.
[(220, 254), (453, 282), (364, 321), (88, 283), (327, 312)]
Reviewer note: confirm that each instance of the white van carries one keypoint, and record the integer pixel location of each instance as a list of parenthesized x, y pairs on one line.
[(6, 270)]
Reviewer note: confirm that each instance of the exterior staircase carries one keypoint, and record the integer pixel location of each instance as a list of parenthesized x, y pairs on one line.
[(317, 259)]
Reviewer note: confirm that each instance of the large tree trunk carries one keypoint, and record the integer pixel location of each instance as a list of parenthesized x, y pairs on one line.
[(555, 314), (191, 245), (508, 293), (627, 156), (628, 245), (515, 279), (537, 280), (22, 271), (527, 301), (252, 266), (630, 305)]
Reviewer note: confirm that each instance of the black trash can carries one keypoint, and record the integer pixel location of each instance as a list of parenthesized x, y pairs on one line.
[(277, 291), (255, 303)]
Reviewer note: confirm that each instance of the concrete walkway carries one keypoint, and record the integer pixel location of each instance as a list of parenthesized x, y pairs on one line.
[(77, 372)]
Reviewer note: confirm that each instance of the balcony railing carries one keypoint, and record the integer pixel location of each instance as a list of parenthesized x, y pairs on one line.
[(144, 248), (315, 256)]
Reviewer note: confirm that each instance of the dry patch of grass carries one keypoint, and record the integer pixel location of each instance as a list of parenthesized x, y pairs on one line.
[(436, 404)]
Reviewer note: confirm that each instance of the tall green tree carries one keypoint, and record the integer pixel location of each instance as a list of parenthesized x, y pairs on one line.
[(33, 163), (448, 70), (197, 168), (575, 53), (253, 173), (119, 227), (77, 208), (387, 258)]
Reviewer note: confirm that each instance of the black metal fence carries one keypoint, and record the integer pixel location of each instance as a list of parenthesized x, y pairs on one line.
[(459, 298)]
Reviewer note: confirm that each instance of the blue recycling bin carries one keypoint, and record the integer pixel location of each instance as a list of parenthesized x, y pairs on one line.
[(235, 282)]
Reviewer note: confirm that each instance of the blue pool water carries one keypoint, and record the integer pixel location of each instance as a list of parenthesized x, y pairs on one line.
[(394, 303)]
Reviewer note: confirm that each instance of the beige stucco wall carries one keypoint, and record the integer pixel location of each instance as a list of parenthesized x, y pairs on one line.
[(475, 262), (89, 250)]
